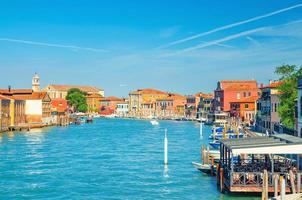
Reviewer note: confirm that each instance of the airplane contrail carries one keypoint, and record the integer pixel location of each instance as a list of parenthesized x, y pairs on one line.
[(72, 47), (230, 26), (215, 42)]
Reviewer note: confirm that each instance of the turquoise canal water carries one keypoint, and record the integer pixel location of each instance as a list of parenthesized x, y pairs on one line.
[(109, 159)]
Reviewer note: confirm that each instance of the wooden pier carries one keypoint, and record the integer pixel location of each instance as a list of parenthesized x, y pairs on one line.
[(252, 164)]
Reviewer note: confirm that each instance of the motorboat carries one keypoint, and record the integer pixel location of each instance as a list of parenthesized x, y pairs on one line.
[(205, 168), (154, 122), (215, 144)]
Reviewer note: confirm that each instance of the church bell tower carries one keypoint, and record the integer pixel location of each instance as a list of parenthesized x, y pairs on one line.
[(36, 83)]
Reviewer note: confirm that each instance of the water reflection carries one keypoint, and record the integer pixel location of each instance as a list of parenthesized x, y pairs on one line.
[(166, 175)]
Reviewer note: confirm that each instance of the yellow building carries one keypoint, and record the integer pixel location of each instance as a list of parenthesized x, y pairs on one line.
[(60, 91), (142, 102)]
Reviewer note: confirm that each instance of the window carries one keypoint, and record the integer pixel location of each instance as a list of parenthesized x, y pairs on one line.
[(246, 105), (275, 107), (249, 94), (238, 95), (244, 94)]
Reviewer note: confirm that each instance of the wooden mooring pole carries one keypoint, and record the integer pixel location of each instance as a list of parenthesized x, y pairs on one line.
[(299, 182), (276, 185), (292, 182), (265, 185)]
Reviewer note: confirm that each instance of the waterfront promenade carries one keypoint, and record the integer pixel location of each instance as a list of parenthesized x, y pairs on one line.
[(109, 159)]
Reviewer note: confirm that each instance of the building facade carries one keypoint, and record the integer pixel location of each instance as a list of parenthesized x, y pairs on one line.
[(142, 102), (267, 107), (108, 105), (60, 91), (171, 107), (233, 90), (244, 110), (205, 107)]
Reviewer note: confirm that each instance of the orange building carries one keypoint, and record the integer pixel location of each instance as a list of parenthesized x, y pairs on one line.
[(172, 106), (142, 102), (244, 109), (93, 102), (233, 90), (108, 105)]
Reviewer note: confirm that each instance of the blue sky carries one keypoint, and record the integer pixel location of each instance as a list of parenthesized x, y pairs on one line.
[(124, 45)]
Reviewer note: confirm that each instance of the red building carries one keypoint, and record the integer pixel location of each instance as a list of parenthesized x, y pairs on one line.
[(228, 91)]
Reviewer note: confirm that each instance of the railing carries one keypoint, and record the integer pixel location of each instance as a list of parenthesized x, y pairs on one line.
[(248, 179)]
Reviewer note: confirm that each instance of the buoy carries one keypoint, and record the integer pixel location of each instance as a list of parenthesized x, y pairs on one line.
[(166, 148)]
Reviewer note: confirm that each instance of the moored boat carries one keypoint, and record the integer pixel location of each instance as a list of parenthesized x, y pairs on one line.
[(205, 168)]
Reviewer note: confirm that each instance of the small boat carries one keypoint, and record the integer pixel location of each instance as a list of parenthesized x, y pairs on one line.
[(215, 144), (205, 168), (89, 119), (154, 122)]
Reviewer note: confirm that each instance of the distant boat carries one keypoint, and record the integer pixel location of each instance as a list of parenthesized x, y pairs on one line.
[(205, 168), (215, 144), (154, 122)]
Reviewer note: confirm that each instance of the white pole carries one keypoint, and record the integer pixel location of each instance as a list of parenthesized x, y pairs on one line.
[(166, 148), (283, 189), (200, 130)]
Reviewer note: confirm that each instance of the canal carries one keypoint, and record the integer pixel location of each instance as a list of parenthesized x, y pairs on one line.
[(109, 159)]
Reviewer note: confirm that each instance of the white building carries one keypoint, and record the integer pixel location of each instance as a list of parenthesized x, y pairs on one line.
[(299, 108), (122, 109)]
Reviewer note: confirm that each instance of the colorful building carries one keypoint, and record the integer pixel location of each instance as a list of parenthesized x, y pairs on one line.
[(122, 109), (171, 107), (108, 105), (142, 102), (205, 107), (12, 112), (59, 111), (228, 91), (244, 109), (267, 107), (60, 91), (93, 102)]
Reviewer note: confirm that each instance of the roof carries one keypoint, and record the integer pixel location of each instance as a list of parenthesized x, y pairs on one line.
[(205, 95), (238, 84), (16, 91), (147, 91), (251, 99), (111, 98), (272, 85), (172, 96), (83, 88), (32, 96), (2, 97), (265, 145), (59, 105), (94, 96)]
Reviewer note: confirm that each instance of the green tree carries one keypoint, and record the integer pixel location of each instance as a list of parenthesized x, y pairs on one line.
[(288, 92), (77, 100)]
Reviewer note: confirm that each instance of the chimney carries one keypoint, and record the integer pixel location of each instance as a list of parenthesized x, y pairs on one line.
[(261, 85), (270, 81), (9, 88)]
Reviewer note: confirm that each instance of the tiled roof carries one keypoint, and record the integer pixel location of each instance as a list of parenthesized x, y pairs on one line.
[(205, 95), (111, 98), (147, 91), (94, 96), (273, 85), (60, 105), (238, 84), (2, 97), (33, 96), (83, 88), (16, 91)]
